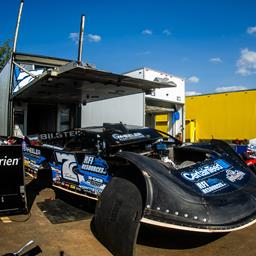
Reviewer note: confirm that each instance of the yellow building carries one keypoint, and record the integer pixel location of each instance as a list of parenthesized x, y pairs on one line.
[(227, 116)]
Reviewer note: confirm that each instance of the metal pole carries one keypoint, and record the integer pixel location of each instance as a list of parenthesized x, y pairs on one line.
[(17, 26), (81, 38), (10, 120), (23, 69)]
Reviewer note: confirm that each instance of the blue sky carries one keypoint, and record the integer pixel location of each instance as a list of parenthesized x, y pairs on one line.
[(211, 44)]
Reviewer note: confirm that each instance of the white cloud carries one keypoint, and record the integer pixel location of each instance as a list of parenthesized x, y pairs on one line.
[(193, 79), (251, 30), (93, 38), (246, 64), (215, 60), (230, 88), (147, 32), (167, 32), (74, 36)]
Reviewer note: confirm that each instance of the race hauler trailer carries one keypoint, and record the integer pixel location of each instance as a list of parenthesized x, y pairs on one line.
[(163, 109), (44, 94)]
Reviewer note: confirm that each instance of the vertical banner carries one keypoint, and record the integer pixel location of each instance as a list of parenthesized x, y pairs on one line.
[(12, 188)]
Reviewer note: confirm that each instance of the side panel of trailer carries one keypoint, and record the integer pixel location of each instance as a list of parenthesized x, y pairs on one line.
[(127, 109), (4, 98), (227, 116)]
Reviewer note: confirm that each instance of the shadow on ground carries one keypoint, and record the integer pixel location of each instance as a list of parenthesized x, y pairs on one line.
[(34, 186), (174, 239), (79, 202), (148, 235)]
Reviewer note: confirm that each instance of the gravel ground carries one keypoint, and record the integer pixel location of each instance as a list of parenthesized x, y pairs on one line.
[(76, 238)]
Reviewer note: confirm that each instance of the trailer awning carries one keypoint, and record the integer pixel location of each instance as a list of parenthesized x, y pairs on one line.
[(76, 83)]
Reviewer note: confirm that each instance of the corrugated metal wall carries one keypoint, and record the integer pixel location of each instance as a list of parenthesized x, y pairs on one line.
[(227, 116)]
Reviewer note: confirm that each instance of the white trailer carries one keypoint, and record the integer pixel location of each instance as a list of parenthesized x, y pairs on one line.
[(175, 93), (162, 108)]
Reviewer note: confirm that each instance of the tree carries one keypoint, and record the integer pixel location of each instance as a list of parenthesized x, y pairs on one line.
[(5, 53)]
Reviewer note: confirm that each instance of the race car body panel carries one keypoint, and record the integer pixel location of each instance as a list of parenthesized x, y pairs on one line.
[(85, 174), (211, 196), (34, 158)]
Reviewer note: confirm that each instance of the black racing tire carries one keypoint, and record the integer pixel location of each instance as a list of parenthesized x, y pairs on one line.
[(117, 216)]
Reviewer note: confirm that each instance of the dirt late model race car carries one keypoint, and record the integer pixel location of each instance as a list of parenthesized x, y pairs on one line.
[(141, 175)]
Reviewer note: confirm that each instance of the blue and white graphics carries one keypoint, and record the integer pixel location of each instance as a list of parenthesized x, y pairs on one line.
[(234, 175), (205, 170), (129, 136), (69, 164), (32, 159), (94, 164), (211, 185), (89, 176)]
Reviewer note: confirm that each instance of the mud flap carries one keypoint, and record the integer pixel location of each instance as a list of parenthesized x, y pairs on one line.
[(117, 217)]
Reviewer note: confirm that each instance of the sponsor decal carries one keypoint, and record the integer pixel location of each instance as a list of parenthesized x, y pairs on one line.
[(78, 189), (57, 182), (26, 162), (94, 164), (58, 135), (72, 187), (95, 181), (33, 151), (205, 170), (66, 185), (91, 190), (129, 136), (34, 166), (6, 161), (211, 185), (234, 175), (69, 165)]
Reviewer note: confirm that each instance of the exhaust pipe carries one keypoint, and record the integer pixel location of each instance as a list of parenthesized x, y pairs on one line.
[(81, 38)]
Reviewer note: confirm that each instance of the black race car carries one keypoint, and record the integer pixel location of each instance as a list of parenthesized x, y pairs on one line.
[(141, 175)]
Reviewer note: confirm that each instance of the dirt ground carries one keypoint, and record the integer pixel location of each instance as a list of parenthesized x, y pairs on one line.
[(76, 238)]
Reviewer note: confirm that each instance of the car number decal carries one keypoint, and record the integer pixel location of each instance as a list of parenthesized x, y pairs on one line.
[(69, 163)]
